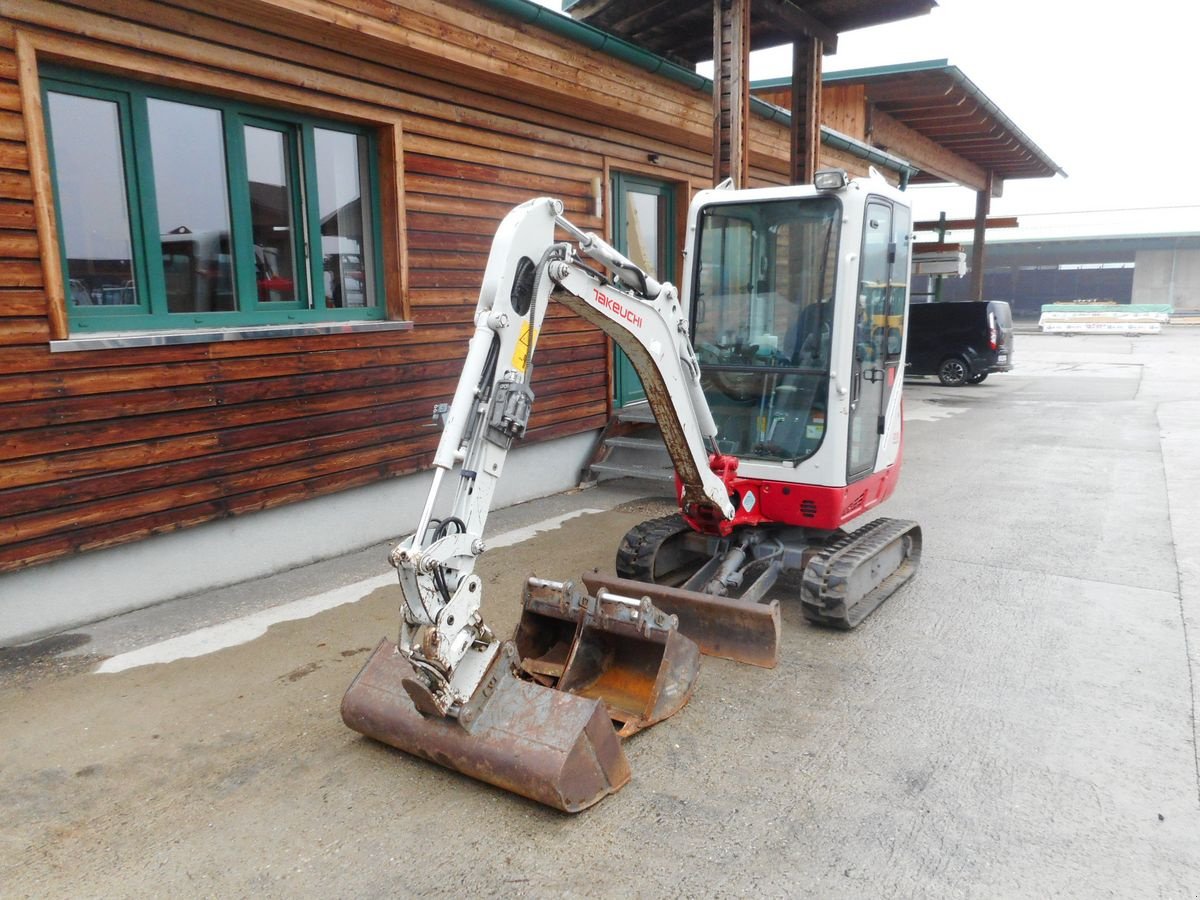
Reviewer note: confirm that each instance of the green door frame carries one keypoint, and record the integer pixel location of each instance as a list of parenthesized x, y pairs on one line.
[(627, 387)]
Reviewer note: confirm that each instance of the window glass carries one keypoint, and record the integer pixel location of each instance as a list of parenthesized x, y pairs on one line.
[(192, 196), (344, 249), (271, 218), (641, 229), (898, 284), (181, 210), (762, 322), (92, 201), (876, 291), (724, 272), (875, 294)]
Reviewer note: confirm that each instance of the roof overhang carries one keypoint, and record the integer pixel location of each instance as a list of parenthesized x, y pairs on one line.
[(939, 102), (682, 29)]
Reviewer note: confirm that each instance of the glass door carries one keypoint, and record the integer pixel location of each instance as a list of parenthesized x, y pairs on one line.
[(644, 230), (878, 330)]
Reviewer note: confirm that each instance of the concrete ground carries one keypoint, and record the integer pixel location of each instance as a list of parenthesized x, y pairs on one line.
[(1019, 721)]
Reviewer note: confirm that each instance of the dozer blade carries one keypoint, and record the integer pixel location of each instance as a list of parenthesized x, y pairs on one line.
[(556, 748), (727, 627), (846, 581), (618, 649)]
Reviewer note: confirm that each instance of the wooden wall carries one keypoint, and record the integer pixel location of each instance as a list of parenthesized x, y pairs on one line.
[(102, 447), (843, 107)]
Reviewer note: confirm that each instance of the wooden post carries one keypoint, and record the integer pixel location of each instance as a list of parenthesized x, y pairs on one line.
[(983, 205), (731, 91), (43, 191), (806, 108)]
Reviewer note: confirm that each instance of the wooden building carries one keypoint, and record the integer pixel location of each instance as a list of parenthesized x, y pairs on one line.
[(239, 247)]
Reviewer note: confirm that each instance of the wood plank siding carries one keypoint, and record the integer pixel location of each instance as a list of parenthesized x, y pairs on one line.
[(475, 113)]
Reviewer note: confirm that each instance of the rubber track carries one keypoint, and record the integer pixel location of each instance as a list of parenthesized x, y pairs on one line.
[(635, 556), (823, 588)]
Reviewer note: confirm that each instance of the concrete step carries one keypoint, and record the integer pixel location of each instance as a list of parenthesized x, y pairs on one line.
[(657, 473), (648, 444), (638, 412)]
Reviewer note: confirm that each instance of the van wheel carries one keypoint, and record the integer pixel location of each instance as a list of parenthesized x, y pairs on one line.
[(977, 379), (953, 372)]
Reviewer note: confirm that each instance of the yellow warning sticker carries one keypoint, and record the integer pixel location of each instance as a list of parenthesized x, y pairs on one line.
[(524, 349)]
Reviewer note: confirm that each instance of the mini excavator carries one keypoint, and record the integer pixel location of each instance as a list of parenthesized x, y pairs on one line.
[(776, 382)]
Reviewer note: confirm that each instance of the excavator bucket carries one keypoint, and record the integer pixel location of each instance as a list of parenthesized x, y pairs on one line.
[(728, 627), (618, 649), (557, 748)]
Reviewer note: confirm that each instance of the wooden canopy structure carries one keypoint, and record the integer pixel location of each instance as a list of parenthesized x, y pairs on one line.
[(936, 101), (932, 115), (726, 32)]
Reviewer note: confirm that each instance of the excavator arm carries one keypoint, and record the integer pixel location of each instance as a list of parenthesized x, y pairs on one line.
[(442, 634)]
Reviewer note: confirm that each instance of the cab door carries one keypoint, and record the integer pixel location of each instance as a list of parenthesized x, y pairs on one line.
[(878, 330)]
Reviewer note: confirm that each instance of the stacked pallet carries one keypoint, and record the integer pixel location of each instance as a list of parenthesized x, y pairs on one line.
[(1093, 316)]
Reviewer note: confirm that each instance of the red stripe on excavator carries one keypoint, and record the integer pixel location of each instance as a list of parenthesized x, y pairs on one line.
[(784, 503)]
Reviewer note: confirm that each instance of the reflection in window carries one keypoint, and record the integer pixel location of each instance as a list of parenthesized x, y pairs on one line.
[(347, 258), (642, 213), (875, 289), (271, 214), (192, 194), (898, 286), (92, 200)]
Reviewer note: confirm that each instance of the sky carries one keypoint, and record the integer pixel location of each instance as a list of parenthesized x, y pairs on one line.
[(1101, 88)]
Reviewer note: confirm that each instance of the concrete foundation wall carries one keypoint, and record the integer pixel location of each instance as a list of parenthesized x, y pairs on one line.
[(92, 586), (1167, 276)]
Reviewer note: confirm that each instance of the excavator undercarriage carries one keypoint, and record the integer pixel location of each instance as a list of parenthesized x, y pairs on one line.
[(846, 575)]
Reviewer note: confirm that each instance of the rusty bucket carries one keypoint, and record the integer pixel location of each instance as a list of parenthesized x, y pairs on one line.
[(615, 648), (557, 748)]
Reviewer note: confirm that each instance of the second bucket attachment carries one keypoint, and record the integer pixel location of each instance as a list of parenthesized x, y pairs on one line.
[(619, 649), (728, 627)]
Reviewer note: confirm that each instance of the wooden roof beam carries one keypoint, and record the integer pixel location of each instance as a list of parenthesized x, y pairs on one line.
[(789, 17), (960, 224), (891, 135), (650, 14)]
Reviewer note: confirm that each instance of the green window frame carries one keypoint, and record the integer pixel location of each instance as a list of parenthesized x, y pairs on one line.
[(252, 303)]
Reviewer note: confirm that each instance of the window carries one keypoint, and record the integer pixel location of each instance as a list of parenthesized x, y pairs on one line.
[(178, 210), (762, 322)]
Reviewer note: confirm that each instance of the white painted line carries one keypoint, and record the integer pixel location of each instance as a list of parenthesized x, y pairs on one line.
[(247, 628), (239, 631), (517, 535)]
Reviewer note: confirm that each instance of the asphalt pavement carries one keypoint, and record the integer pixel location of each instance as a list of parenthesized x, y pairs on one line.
[(1018, 721)]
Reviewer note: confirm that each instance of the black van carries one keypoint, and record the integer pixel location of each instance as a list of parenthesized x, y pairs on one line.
[(960, 342)]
